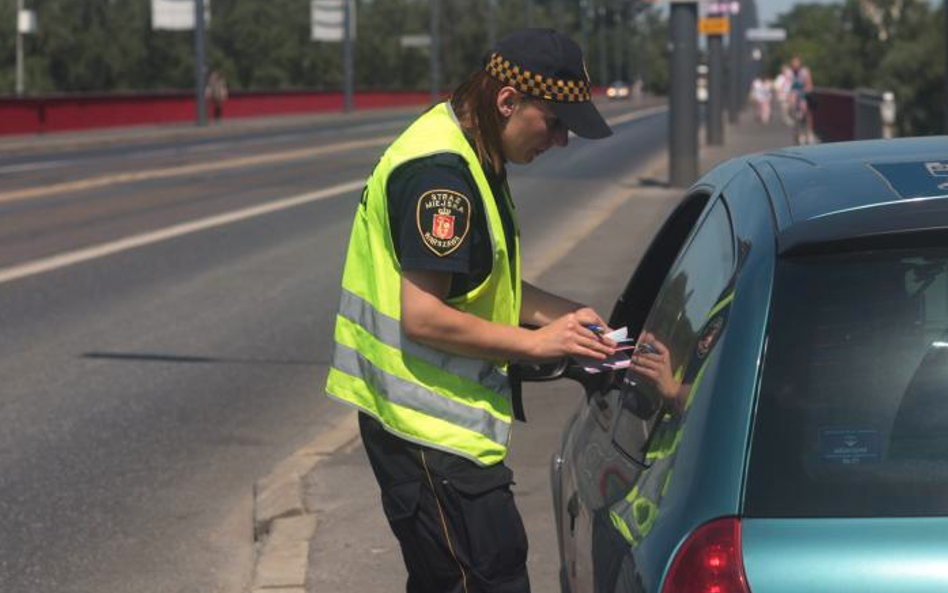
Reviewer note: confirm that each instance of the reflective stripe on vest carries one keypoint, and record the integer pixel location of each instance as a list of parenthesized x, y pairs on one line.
[(388, 331), (416, 397)]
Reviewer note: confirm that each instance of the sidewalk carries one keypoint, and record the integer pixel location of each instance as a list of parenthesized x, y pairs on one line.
[(335, 539)]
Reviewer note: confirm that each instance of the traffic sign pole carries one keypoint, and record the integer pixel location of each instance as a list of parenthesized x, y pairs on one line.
[(348, 102), (735, 65), (19, 49), (199, 66), (715, 27), (715, 114), (683, 116), (435, 49)]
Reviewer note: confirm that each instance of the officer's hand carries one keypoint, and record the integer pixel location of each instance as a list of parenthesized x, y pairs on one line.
[(570, 336), (588, 316)]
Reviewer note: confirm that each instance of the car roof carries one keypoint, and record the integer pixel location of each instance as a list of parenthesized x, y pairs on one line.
[(854, 192)]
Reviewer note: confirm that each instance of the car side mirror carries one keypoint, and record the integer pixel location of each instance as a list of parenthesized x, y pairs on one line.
[(563, 368), (538, 372)]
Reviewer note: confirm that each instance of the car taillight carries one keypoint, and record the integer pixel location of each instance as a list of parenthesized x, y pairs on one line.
[(709, 561)]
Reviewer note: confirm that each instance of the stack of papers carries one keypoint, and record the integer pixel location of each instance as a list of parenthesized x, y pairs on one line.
[(619, 360)]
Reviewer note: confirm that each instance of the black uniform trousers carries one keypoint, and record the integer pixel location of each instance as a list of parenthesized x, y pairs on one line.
[(456, 521)]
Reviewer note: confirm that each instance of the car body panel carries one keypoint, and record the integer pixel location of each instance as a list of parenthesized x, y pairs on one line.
[(830, 178), (778, 196), (774, 200), (710, 466), (908, 555)]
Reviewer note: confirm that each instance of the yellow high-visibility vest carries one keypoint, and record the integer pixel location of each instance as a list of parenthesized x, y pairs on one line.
[(454, 403)]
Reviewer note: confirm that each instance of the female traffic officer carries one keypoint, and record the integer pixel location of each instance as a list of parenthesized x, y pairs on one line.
[(432, 306)]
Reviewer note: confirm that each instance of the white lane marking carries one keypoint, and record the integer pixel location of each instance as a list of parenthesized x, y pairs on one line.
[(62, 260), (32, 166)]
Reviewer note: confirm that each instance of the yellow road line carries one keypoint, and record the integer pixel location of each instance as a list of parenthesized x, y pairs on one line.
[(62, 260), (133, 177)]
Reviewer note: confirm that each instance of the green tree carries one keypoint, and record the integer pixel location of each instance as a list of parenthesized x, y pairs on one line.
[(887, 45)]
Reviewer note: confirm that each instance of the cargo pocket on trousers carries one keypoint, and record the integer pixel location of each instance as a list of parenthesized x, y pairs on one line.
[(496, 539), (401, 504)]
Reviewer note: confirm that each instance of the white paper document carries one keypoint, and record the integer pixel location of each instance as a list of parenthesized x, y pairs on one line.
[(619, 360)]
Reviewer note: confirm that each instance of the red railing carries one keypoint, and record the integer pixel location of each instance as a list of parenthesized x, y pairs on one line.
[(32, 115), (834, 114)]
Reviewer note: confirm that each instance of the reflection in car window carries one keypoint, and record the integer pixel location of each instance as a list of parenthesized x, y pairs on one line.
[(690, 315), (695, 285), (853, 413)]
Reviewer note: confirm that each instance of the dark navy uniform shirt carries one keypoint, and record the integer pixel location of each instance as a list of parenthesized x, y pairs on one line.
[(438, 220)]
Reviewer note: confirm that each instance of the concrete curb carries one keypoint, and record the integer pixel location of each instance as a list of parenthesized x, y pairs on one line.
[(282, 525)]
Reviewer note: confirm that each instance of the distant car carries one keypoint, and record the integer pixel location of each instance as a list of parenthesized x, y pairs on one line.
[(702, 83), (619, 90), (797, 439)]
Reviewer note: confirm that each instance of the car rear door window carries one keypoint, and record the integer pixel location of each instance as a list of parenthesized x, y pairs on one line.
[(853, 406), (688, 298)]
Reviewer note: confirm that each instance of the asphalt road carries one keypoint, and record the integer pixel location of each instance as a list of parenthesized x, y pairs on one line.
[(159, 353)]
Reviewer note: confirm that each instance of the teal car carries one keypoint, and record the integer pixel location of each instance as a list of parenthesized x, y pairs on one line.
[(792, 433)]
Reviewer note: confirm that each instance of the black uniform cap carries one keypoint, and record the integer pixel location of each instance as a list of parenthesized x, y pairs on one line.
[(549, 65)]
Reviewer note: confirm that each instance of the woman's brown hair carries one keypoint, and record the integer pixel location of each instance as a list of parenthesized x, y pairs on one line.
[(475, 104)]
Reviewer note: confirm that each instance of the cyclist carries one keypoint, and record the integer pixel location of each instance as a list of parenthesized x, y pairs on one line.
[(801, 85)]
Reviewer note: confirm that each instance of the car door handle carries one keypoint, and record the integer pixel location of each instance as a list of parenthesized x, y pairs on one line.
[(572, 509)]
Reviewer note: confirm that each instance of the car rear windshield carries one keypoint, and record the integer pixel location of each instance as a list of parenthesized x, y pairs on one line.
[(852, 416)]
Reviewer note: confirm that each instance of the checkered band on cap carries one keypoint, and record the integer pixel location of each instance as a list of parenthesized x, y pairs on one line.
[(544, 87)]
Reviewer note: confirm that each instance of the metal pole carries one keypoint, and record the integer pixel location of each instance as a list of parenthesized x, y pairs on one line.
[(491, 23), (644, 65), (619, 43), (199, 67), (683, 116), (734, 68), (634, 35), (584, 24), (747, 21), (603, 58), (435, 50), (945, 98), (348, 103), (560, 16), (19, 50), (715, 113)]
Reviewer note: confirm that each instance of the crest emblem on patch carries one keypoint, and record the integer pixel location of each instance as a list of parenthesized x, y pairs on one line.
[(443, 227), (444, 219)]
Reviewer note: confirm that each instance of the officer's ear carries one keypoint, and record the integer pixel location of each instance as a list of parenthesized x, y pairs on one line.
[(507, 100)]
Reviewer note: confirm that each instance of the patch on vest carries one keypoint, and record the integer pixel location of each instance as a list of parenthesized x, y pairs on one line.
[(444, 218)]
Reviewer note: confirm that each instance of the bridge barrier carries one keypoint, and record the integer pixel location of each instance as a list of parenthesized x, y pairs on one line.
[(863, 114), (56, 113)]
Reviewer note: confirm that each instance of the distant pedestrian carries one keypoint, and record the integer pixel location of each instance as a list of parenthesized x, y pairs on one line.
[(216, 93), (762, 95), (782, 86)]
